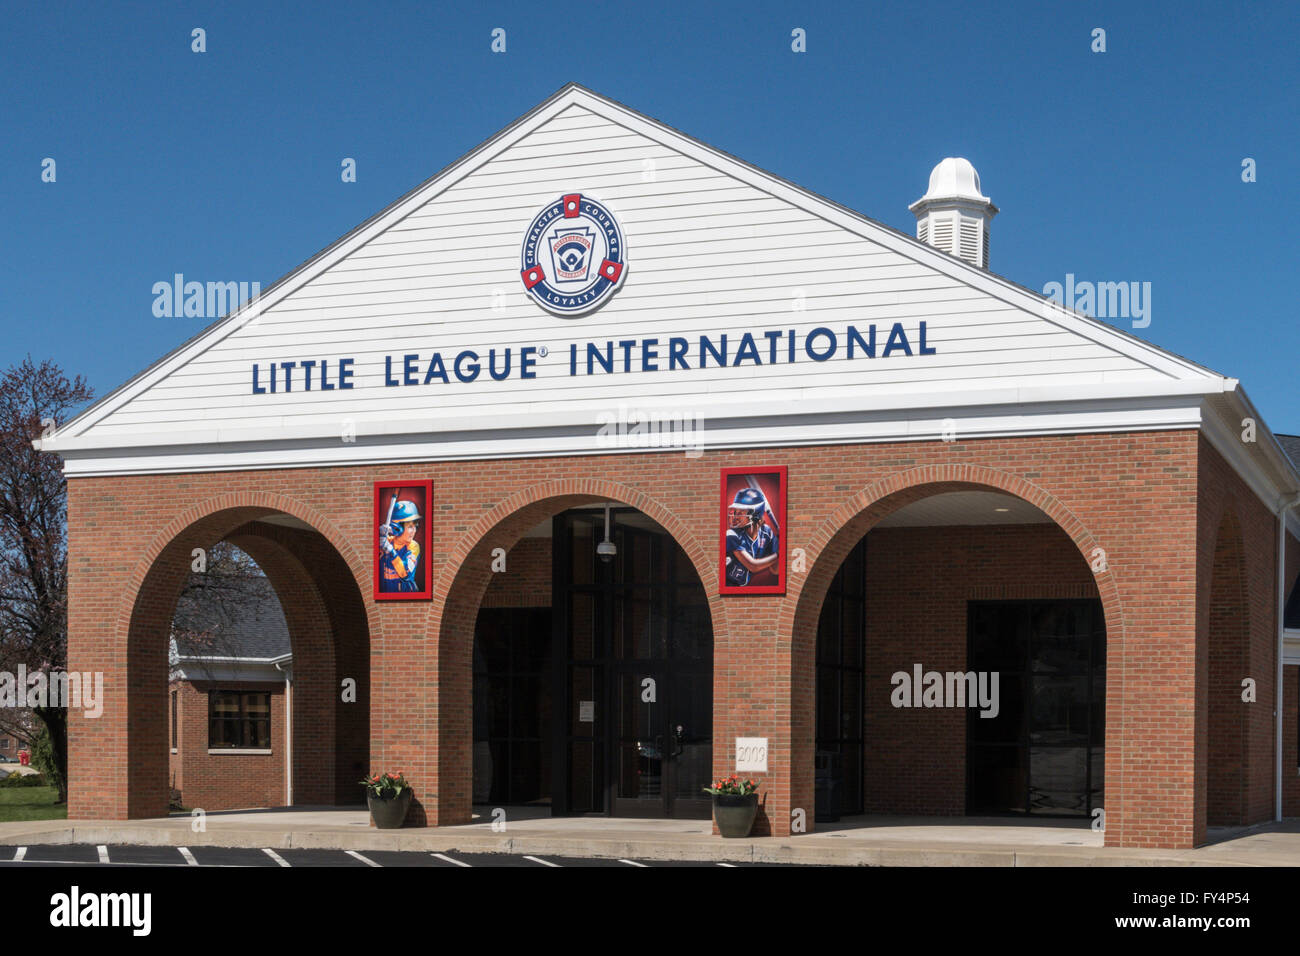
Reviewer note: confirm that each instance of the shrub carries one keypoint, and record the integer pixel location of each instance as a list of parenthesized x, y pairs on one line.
[(43, 759), (16, 779)]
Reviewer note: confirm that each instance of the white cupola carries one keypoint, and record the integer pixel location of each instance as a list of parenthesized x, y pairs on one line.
[(954, 215)]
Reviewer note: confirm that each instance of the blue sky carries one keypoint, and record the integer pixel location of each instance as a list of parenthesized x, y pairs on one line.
[(1115, 166)]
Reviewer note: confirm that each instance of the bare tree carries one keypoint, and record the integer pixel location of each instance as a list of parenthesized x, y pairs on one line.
[(19, 723), (213, 599), (33, 531)]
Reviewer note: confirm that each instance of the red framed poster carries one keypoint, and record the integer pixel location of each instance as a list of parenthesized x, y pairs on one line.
[(751, 541), (402, 554)]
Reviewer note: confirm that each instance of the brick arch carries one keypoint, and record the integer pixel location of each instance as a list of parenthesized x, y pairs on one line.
[(459, 591), (148, 604), (224, 513), (540, 500), (1228, 649), (831, 542)]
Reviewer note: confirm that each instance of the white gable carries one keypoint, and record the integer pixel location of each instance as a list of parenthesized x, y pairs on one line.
[(714, 248)]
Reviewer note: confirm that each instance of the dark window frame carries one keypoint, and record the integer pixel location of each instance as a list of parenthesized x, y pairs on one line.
[(1093, 797), (499, 723), (664, 580), (175, 694), (246, 737), (847, 679)]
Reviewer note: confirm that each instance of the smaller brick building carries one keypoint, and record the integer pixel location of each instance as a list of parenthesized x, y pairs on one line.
[(10, 745), (20, 731), (230, 676)]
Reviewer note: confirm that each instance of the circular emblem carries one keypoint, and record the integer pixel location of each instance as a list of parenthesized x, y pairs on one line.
[(573, 257)]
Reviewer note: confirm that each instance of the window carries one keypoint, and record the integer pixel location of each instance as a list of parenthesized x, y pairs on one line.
[(4, 743), (1045, 752), (239, 720), (841, 652), (173, 720)]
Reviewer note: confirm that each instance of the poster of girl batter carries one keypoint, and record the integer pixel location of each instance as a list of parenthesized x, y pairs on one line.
[(402, 540), (752, 535)]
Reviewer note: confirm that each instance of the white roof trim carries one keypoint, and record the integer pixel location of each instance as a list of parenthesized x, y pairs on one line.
[(219, 673), (1027, 411), (1291, 646), (768, 431), (571, 95), (1263, 464)]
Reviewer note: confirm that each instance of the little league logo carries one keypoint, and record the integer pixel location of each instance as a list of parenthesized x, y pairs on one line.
[(573, 256)]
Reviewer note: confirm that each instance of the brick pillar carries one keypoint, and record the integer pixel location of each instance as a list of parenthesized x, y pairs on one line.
[(1155, 682), (279, 553), (1227, 635)]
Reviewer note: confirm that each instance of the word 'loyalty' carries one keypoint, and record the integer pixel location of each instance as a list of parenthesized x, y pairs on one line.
[(951, 689), (58, 689), (73, 909)]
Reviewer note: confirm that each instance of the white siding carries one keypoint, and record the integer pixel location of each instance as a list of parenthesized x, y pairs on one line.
[(713, 247), (707, 254)]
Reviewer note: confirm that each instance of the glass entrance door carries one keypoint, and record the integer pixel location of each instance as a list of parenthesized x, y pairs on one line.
[(1044, 753), (665, 742), (640, 669)]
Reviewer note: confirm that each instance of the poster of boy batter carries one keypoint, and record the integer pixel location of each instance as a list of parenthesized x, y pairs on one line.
[(753, 521), (402, 540)]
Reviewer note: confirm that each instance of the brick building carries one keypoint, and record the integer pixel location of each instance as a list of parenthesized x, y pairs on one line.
[(229, 687), (10, 746), (17, 737), (708, 458)]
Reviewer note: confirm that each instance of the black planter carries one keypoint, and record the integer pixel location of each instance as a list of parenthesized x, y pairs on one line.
[(389, 814), (734, 814)]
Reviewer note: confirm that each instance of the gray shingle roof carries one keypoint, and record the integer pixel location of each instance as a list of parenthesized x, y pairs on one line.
[(1291, 445), (242, 621)]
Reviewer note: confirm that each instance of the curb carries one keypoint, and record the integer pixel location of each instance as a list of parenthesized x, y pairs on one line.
[(758, 850)]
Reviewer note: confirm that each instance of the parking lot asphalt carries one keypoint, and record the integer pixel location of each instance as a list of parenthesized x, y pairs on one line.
[(85, 854)]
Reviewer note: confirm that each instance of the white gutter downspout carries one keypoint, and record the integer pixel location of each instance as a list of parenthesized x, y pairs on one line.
[(1281, 637), (287, 670)]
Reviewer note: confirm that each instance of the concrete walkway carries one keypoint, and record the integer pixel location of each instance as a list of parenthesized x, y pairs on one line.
[(857, 841)]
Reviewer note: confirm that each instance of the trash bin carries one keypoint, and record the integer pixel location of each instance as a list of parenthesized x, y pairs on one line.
[(828, 785)]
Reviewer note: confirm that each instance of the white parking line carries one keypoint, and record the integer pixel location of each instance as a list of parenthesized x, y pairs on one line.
[(189, 857), (631, 862), (19, 854), (275, 856), (358, 856), (103, 854), (538, 859), (444, 857)]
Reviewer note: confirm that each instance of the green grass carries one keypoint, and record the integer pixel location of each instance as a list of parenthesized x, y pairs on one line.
[(30, 803)]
